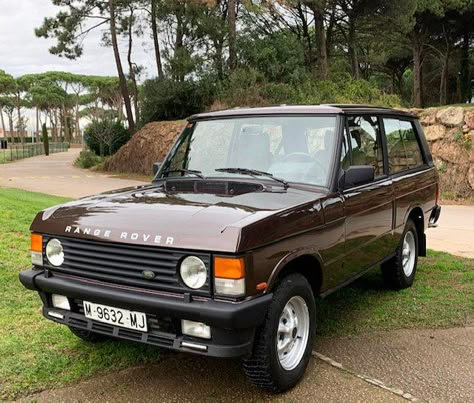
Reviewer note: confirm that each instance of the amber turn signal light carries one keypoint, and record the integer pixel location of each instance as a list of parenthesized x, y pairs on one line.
[(36, 243), (232, 268)]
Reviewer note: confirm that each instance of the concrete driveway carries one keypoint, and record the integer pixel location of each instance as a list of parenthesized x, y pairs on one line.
[(455, 232), (57, 176), (403, 365)]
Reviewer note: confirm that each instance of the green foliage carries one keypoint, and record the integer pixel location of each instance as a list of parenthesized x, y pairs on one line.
[(277, 57), (88, 159), (247, 87), (170, 100), (105, 137)]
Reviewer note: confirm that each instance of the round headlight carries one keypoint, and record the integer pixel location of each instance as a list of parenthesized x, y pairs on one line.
[(193, 272), (55, 252)]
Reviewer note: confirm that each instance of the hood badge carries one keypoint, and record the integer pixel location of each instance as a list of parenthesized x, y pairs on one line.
[(148, 274)]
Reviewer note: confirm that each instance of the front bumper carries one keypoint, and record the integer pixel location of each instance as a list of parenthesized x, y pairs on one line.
[(232, 324)]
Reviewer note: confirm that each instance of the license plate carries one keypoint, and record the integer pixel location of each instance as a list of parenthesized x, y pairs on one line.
[(115, 316)]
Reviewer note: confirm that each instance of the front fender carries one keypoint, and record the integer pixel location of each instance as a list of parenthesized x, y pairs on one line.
[(292, 257)]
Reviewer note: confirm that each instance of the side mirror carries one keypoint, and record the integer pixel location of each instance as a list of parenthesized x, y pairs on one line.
[(358, 175), (156, 167)]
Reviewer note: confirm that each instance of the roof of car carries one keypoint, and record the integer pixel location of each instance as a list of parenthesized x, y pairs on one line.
[(301, 110)]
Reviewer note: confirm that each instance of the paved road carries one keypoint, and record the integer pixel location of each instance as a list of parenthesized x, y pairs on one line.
[(186, 378), (56, 175), (429, 365), (455, 232)]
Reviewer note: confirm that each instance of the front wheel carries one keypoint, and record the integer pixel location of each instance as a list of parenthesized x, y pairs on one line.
[(399, 272), (283, 344)]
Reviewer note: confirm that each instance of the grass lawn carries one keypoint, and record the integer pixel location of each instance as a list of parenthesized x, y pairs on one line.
[(36, 354)]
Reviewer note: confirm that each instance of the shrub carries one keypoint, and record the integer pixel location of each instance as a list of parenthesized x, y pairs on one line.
[(87, 159), (105, 137), (172, 100)]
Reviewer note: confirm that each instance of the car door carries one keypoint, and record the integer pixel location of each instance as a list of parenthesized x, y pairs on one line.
[(368, 207)]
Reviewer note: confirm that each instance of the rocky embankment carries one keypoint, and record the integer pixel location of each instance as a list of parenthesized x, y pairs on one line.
[(450, 134)]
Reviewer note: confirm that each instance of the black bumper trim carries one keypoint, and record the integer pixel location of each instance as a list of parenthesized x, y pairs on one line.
[(435, 213), (241, 343), (225, 315)]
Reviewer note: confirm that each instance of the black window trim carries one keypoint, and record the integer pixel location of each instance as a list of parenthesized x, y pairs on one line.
[(380, 139), (420, 168)]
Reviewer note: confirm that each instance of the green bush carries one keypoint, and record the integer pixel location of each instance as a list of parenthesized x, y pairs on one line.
[(172, 100), (105, 137), (247, 87), (87, 159)]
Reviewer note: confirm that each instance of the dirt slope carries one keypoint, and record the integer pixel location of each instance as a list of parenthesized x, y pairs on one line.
[(147, 146)]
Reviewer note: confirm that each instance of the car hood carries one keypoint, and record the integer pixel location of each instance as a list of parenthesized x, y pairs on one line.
[(150, 216)]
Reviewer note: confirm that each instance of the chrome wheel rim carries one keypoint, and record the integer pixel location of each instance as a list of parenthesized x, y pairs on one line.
[(408, 253), (292, 333)]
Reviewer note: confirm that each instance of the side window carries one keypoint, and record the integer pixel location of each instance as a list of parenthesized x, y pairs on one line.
[(364, 136), (403, 149)]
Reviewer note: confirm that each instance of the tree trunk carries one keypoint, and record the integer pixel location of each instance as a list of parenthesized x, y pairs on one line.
[(131, 67), (156, 42), (37, 124), (4, 131), (179, 43), (465, 79), (417, 60), (352, 47), (218, 59), (10, 123), (118, 62), (66, 127), (443, 83), (76, 123), (231, 20), (318, 11), (20, 122)]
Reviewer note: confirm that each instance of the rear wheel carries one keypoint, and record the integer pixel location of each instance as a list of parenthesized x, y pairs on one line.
[(399, 272), (88, 336), (283, 345)]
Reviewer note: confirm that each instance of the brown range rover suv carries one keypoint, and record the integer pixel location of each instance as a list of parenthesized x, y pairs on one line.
[(253, 215)]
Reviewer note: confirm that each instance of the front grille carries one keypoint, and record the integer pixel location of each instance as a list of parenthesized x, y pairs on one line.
[(124, 264)]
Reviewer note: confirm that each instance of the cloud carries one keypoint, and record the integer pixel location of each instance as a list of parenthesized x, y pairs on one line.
[(21, 52)]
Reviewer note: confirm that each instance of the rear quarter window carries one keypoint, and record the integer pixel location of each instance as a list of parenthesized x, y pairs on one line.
[(403, 148)]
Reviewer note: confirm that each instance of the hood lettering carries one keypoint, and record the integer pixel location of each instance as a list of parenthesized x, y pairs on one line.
[(126, 236)]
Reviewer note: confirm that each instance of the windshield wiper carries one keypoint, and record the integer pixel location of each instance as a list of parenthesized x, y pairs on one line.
[(253, 172), (185, 171)]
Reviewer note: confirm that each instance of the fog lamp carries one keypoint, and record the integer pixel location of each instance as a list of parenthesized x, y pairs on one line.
[(61, 302), (195, 329)]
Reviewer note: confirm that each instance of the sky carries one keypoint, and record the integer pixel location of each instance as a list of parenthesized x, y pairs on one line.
[(21, 52)]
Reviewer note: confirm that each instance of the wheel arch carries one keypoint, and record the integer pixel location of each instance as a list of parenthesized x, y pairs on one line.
[(417, 216), (308, 264)]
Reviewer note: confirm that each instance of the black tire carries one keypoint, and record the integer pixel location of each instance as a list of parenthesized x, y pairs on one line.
[(263, 367), (88, 336), (392, 270)]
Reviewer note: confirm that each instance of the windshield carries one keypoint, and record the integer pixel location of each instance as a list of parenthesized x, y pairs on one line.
[(294, 149)]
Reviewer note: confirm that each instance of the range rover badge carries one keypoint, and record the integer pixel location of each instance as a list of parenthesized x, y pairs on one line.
[(148, 274)]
